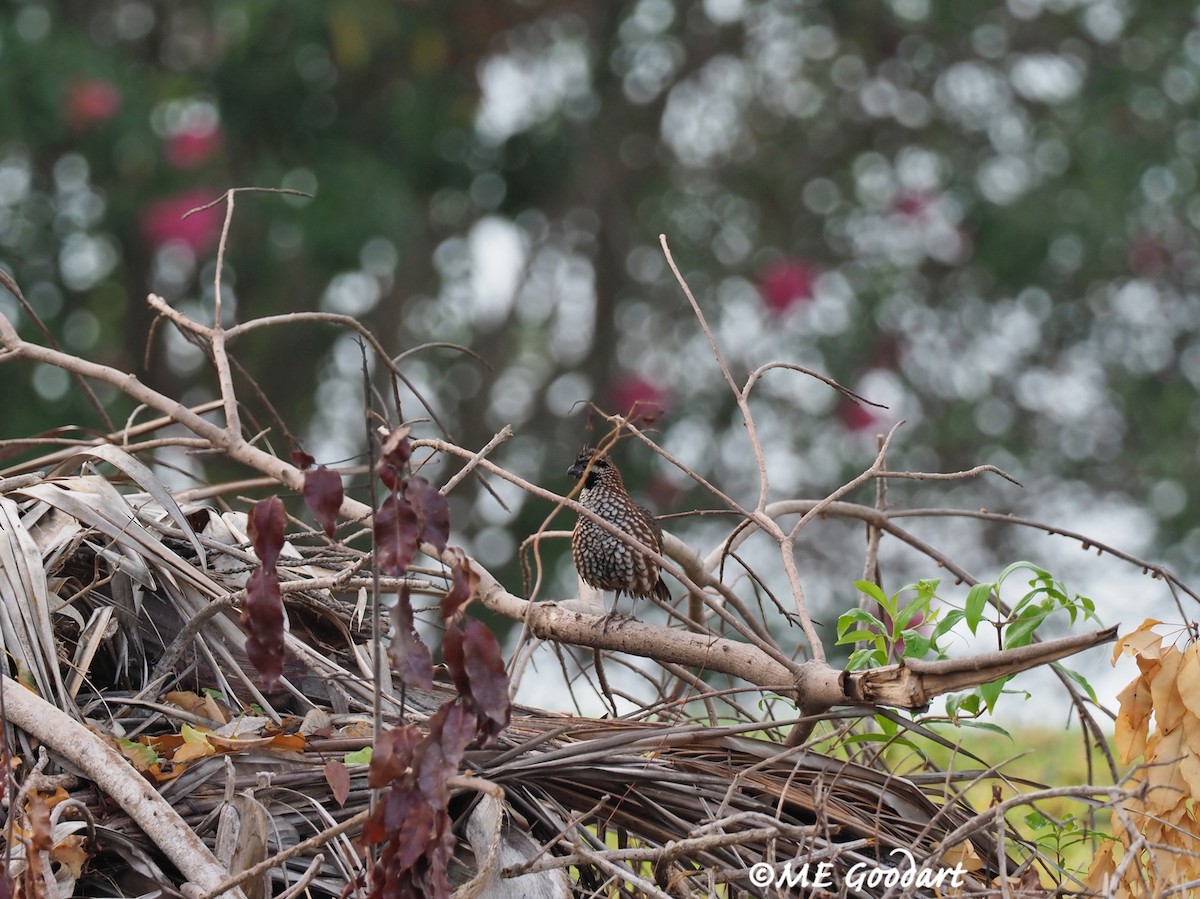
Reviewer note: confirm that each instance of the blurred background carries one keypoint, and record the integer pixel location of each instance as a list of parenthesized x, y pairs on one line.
[(982, 215)]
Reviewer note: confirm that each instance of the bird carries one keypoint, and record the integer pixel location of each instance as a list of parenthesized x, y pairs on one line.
[(603, 560)]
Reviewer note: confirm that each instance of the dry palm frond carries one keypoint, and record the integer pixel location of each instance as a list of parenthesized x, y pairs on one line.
[(116, 606)]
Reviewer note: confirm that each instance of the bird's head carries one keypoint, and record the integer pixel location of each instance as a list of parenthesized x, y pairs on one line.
[(601, 467)]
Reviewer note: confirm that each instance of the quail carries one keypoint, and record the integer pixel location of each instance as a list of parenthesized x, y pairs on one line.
[(602, 559)]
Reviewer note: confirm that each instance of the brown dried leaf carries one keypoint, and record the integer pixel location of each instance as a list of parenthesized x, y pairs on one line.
[(489, 680), (323, 495), (38, 812), (338, 777)]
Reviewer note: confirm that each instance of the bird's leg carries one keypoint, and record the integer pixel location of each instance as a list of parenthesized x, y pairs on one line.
[(610, 615)]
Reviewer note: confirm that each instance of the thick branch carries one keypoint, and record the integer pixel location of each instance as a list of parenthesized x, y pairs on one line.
[(913, 684), (549, 621)]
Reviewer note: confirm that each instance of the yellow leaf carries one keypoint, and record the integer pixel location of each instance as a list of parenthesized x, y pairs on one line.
[(1141, 641), (1103, 869), (1189, 770), (1168, 790), (193, 734), (195, 745), (189, 751), (1189, 680), (1133, 719), (1164, 691)]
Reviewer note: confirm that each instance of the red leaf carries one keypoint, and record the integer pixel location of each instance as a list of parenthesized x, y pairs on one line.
[(266, 522), (262, 617), (457, 732), (394, 459), (452, 655), (302, 459), (392, 755), (472, 656), (414, 836), (397, 535), (463, 581), (432, 511), (489, 680), (410, 656), (323, 495), (337, 775)]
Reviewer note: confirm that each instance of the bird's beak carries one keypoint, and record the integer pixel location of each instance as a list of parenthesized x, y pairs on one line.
[(575, 471)]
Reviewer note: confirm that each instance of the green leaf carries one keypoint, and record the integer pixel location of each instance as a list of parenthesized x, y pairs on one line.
[(880, 738), (866, 658), (872, 590), (867, 738), (990, 692), (977, 601), (1014, 568), (905, 615), (857, 616), (144, 755), (1035, 820), (358, 756), (953, 617), (1078, 678), (962, 704), (988, 726), (856, 636), (1021, 631), (916, 644)]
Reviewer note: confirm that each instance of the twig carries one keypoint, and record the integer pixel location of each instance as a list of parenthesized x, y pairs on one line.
[(309, 875), (217, 335), (739, 395), (502, 435), (300, 848)]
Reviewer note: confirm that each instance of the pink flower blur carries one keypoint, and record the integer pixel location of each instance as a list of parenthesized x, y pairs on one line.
[(89, 102), (787, 283), (191, 148), (857, 417), (163, 221), (635, 397)]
